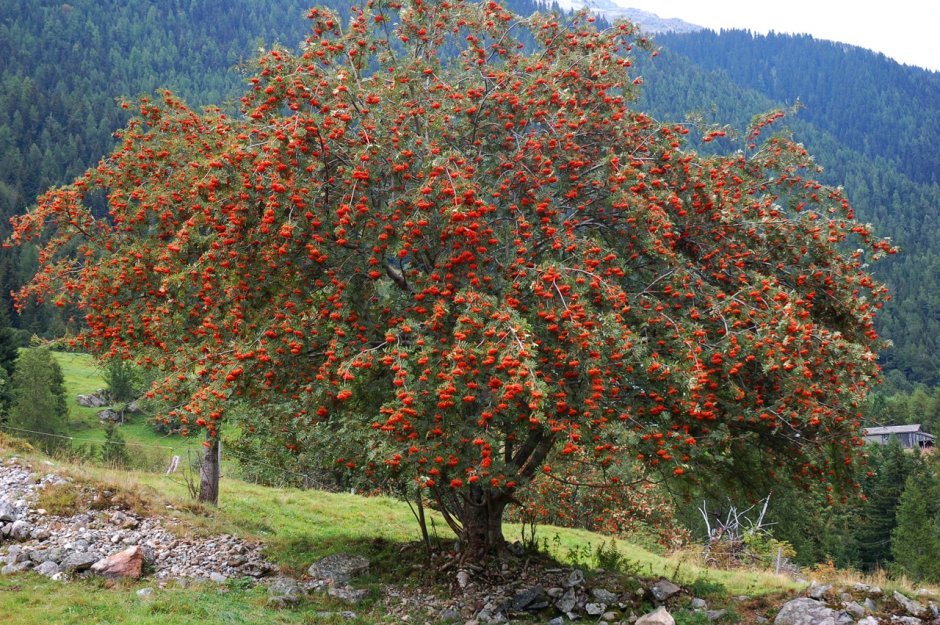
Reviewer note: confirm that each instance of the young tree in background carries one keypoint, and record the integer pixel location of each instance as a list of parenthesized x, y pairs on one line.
[(38, 409), (915, 540), (452, 255)]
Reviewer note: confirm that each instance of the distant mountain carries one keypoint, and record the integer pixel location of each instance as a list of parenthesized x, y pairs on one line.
[(649, 22)]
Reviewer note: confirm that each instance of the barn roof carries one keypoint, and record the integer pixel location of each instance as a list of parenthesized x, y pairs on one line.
[(897, 429)]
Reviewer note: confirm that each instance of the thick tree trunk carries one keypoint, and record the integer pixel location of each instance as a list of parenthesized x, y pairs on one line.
[(209, 473), (482, 519)]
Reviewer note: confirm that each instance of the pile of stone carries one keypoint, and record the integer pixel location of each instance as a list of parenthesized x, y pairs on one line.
[(110, 542), (859, 604)]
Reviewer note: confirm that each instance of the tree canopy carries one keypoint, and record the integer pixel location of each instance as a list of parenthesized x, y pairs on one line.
[(440, 241)]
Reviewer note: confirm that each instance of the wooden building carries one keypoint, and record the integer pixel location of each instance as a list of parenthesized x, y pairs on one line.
[(910, 436)]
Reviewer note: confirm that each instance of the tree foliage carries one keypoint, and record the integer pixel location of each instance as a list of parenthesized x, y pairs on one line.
[(38, 409), (466, 263), (915, 541)]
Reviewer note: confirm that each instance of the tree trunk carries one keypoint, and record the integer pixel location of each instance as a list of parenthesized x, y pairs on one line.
[(209, 473), (482, 519)]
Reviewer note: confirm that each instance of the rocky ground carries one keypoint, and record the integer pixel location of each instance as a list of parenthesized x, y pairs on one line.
[(112, 540)]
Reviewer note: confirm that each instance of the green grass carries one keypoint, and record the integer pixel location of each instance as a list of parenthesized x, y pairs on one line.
[(147, 447), (30, 599)]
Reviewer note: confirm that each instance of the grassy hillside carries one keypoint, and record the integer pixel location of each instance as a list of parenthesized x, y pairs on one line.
[(296, 527)]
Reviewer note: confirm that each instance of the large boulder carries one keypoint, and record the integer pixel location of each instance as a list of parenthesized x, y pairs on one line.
[(338, 568), (912, 607), (99, 399), (127, 563), (806, 611)]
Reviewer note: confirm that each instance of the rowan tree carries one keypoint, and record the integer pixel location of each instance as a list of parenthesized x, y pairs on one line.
[(440, 232)]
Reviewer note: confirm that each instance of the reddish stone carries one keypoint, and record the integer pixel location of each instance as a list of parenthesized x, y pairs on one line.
[(127, 563)]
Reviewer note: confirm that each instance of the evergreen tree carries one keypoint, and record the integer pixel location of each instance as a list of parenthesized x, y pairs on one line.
[(114, 450), (915, 542), (892, 466), (39, 411)]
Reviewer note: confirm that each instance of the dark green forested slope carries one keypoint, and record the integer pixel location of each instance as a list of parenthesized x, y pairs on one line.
[(870, 103), (873, 124)]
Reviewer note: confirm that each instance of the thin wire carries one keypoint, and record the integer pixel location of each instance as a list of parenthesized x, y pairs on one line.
[(244, 460), (88, 440)]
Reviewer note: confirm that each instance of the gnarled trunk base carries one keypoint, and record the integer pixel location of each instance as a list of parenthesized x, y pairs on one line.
[(482, 520)]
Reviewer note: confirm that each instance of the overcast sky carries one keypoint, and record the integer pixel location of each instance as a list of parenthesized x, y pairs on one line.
[(906, 30)]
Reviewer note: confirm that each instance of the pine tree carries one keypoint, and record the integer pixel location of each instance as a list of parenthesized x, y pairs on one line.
[(915, 542), (114, 450), (39, 411), (892, 467)]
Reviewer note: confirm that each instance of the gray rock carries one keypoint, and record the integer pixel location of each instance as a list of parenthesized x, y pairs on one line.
[(56, 554), (449, 615), (48, 568), (558, 620), (530, 600), (144, 592), (567, 601), (217, 577), (698, 604), (575, 578), (595, 609), (285, 591), (870, 605), (714, 615), (868, 620), (818, 591), (906, 620), (914, 608), (604, 596), (338, 568), (660, 617), (663, 590), (348, 595), (855, 609), (78, 562), (8, 513), (18, 567), (806, 611), (99, 399), (21, 530), (109, 416)]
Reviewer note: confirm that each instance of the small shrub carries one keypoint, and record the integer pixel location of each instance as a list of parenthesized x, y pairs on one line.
[(705, 588), (114, 449), (610, 558)]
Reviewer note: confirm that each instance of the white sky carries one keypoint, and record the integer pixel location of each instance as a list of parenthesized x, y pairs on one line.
[(908, 31)]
